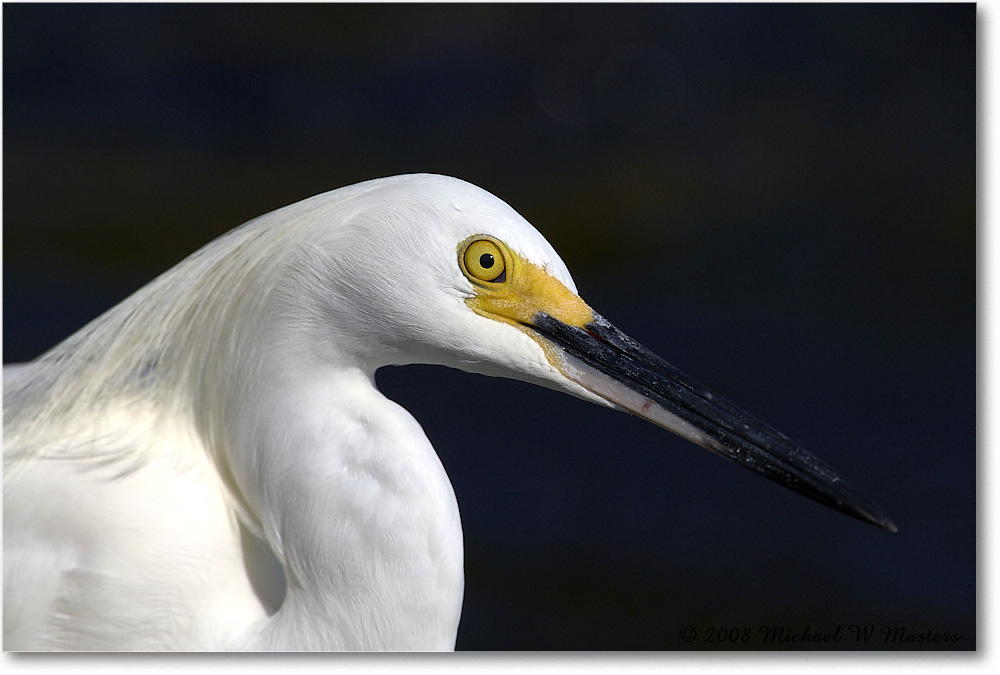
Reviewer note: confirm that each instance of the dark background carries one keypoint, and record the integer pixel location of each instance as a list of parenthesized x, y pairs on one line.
[(781, 200)]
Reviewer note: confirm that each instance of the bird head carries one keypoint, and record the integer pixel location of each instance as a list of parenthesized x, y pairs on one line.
[(431, 269)]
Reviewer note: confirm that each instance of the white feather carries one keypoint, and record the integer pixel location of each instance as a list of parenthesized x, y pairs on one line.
[(208, 465)]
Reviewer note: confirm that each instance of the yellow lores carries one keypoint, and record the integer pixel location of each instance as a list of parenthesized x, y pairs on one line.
[(511, 289)]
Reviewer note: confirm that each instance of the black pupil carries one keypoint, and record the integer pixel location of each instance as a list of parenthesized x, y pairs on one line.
[(486, 261)]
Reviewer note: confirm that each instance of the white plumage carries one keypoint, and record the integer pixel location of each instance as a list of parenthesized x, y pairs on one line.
[(209, 465)]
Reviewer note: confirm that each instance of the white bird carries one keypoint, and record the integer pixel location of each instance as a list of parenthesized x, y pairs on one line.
[(209, 465)]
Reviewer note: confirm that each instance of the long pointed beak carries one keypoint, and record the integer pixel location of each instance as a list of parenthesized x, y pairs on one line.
[(605, 361)]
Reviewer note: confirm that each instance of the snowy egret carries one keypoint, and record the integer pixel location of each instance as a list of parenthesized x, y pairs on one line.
[(209, 464)]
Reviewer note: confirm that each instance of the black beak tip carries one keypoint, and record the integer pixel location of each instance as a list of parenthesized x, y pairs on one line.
[(879, 520), (858, 506)]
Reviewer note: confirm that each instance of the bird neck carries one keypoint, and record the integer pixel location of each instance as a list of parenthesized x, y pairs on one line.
[(352, 499)]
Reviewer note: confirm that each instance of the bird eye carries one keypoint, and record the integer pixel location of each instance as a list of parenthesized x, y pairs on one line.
[(483, 260)]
